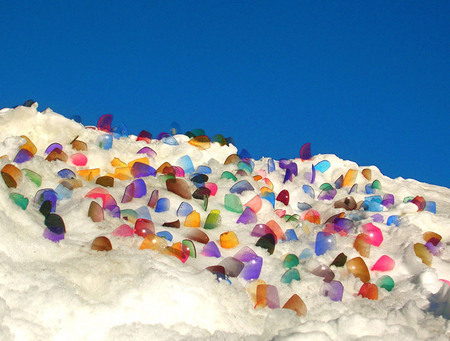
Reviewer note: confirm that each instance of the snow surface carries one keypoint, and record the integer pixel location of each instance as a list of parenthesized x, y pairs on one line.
[(66, 291)]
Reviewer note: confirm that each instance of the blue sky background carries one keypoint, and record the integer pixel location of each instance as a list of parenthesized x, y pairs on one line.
[(367, 81)]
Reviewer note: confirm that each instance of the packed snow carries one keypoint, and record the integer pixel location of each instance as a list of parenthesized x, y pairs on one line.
[(69, 290)]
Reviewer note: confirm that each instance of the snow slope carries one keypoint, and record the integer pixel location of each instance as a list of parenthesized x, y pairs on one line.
[(67, 291)]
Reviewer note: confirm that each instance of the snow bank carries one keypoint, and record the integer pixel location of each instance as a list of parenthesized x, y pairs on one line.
[(67, 291)]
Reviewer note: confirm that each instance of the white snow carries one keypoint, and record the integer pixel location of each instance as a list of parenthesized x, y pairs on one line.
[(66, 291)]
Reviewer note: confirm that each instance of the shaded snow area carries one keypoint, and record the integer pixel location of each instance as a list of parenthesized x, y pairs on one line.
[(203, 244)]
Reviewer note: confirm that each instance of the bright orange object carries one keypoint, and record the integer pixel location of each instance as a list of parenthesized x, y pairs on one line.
[(89, 174), (11, 175), (350, 178), (229, 240), (192, 219)]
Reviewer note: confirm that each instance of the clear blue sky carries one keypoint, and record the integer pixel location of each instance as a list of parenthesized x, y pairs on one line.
[(368, 81)]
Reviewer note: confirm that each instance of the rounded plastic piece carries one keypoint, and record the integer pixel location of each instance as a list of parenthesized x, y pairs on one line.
[(101, 244), (358, 268), (229, 240)]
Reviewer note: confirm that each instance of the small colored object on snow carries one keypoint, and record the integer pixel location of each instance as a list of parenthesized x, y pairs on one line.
[(191, 247), (211, 250), (267, 242), (361, 245), (144, 227), (308, 190), (141, 170), (430, 206), (386, 282), (327, 195), (388, 200), (349, 178), (184, 209), (213, 220), (55, 234), (79, 159), (296, 304), (154, 197), (123, 231), (423, 253), (166, 235), (373, 234), (19, 200), (305, 152), (128, 194), (197, 235), (333, 289), (367, 173), (369, 290), (305, 254), (23, 155), (358, 268), (101, 244), (201, 193), (233, 267), (261, 229), (339, 182), (174, 224), (229, 240), (148, 151), (325, 272), (384, 263), (419, 202), (255, 204), (192, 219), (311, 215), (144, 135), (11, 175), (241, 186), (228, 175), (322, 166), (324, 242), (393, 220), (35, 177), (290, 261), (233, 203), (105, 181), (154, 242), (140, 189), (290, 275), (340, 260), (283, 197), (253, 263), (95, 212), (247, 217), (104, 122), (129, 215), (179, 187), (162, 205)]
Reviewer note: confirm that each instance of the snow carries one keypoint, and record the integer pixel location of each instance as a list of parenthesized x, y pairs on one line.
[(66, 291)]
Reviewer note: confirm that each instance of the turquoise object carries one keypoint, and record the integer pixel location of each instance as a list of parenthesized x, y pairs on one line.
[(386, 282), (290, 275)]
